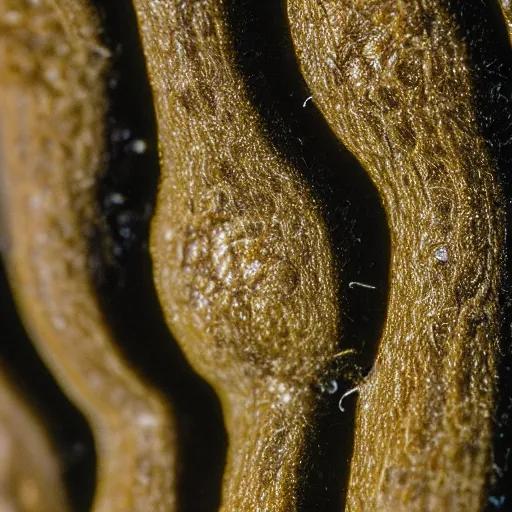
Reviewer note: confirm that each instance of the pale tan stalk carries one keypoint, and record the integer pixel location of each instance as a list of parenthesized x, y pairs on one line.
[(52, 132), (30, 478)]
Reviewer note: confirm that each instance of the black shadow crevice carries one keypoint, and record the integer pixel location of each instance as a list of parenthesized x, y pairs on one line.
[(355, 217)]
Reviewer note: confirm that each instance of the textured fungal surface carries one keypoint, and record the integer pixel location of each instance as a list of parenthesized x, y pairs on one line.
[(384, 75), (206, 208), (242, 261), (52, 108)]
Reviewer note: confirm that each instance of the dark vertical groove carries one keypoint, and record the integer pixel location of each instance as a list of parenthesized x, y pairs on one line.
[(123, 271), (355, 217), (67, 428), (482, 25)]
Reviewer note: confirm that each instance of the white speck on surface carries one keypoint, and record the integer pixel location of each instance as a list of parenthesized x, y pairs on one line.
[(251, 270), (12, 17), (330, 63), (179, 252), (441, 254), (168, 235), (51, 74), (102, 51), (59, 323), (86, 32), (139, 146), (222, 269), (192, 251), (146, 419), (35, 202), (353, 284), (126, 233), (116, 198)]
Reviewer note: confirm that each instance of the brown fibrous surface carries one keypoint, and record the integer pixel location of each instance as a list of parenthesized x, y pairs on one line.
[(242, 261), (394, 82)]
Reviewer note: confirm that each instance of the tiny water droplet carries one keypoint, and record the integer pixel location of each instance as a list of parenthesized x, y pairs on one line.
[(441, 254)]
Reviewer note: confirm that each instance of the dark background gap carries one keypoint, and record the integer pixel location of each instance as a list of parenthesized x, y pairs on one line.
[(482, 24), (356, 221)]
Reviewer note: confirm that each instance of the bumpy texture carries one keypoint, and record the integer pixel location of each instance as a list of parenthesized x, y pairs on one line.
[(52, 109), (393, 81), (29, 474), (242, 261)]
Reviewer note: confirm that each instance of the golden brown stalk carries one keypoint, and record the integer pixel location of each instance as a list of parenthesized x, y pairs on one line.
[(30, 479), (242, 260), (393, 81), (506, 7), (52, 109)]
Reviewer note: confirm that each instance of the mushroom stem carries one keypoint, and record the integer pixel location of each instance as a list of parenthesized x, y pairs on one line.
[(242, 260), (52, 126), (394, 82)]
